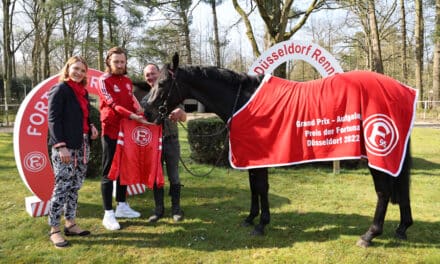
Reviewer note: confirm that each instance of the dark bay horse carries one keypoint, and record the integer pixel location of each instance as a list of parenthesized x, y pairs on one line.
[(224, 92)]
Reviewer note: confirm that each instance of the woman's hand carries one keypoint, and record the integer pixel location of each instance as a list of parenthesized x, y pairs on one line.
[(64, 154)]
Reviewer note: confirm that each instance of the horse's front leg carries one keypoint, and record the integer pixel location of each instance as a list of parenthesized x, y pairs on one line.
[(258, 179), (383, 197), (255, 203)]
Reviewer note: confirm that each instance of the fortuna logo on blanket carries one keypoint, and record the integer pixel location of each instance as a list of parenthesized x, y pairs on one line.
[(137, 157), (345, 116)]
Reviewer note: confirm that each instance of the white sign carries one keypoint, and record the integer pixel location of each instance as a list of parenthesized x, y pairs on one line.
[(288, 50)]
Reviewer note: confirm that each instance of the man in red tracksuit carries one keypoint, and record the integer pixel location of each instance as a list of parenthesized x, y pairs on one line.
[(116, 103)]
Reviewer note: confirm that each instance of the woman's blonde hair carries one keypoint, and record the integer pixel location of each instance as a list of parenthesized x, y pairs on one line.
[(64, 73)]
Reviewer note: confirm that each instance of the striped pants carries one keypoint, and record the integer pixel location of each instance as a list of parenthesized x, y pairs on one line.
[(69, 178)]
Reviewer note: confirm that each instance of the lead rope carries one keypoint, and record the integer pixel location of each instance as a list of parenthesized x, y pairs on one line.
[(210, 135)]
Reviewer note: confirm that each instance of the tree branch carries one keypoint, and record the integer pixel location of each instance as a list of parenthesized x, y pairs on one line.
[(249, 31)]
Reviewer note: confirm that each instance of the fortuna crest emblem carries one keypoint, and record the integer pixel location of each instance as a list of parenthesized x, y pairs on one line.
[(381, 134), (141, 136)]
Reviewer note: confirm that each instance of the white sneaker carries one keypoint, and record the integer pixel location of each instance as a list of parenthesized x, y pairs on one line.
[(124, 210), (109, 221)]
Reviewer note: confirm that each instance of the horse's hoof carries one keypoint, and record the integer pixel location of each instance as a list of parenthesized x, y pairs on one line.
[(362, 243), (257, 232)]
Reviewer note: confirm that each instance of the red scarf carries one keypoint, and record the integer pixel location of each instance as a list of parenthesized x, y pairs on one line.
[(80, 92)]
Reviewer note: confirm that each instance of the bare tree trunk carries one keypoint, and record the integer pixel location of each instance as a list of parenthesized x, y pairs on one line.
[(185, 28), (375, 41), (34, 14), (65, 35), (8, 10), (249, 32), (35, 58), (46, 64), (418, 32), (49, 22), (216, 35), (276, 15), (436, 60), (404, 46), (100, 35), (110, 22), (13, 50)]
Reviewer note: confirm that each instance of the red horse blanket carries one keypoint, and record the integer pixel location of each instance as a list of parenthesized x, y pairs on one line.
[(138, 154), (345, 116)]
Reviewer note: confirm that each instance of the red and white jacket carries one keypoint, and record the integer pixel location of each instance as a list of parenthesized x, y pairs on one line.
[(116, 102), (138, 155)]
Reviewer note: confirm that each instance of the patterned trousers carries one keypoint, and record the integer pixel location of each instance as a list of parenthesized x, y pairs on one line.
[(69, 178)]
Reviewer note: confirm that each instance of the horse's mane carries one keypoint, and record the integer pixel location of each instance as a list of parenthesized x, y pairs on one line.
[(226, 76)]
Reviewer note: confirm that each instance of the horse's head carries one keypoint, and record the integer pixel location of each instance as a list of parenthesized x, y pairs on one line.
[(166, 94)]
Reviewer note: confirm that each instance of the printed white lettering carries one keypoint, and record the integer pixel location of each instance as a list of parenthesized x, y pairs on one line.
[(324, 142), (41, 107), (347, 129), (314, 133), (305, 123), (348, 117), (32, 131)]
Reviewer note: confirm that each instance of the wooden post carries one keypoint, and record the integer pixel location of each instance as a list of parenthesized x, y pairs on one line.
[(336, 166)]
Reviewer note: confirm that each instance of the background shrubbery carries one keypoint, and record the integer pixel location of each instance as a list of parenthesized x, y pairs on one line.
[(208, 141), (94, 168)]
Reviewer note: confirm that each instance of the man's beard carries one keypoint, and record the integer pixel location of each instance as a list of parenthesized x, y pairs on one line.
[(118, 71)]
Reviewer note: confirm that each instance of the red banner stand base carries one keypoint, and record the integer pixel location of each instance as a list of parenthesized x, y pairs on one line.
[(35, 207)]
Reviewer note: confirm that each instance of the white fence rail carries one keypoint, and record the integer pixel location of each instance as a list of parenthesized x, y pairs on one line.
[(426, 110)]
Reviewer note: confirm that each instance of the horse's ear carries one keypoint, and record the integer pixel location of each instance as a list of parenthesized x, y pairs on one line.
[(175, 61)]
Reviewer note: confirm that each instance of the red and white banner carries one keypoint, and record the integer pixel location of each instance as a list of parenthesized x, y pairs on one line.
[(35, 207), (138, 154), (344, 116), (134, 189)]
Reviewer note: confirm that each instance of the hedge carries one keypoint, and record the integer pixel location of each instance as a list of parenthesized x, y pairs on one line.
[(208, 141)]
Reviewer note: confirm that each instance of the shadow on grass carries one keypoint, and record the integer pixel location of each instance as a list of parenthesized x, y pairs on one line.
[(215, 225), (425, 165)]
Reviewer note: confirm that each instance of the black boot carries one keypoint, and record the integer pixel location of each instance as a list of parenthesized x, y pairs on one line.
[(159, 208), (176, 212)]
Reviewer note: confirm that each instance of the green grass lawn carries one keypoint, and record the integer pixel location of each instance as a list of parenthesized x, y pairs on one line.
[(317, 217)]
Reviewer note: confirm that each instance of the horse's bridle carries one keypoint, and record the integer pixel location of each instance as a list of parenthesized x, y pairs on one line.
[(163, 109)]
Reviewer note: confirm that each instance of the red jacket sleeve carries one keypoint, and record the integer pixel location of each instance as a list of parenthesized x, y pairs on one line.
[(107, 98)]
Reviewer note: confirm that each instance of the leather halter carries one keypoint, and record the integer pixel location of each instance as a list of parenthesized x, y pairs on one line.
[(163, 109)]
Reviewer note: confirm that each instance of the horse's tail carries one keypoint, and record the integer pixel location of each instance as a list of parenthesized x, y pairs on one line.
[(401, 184)]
